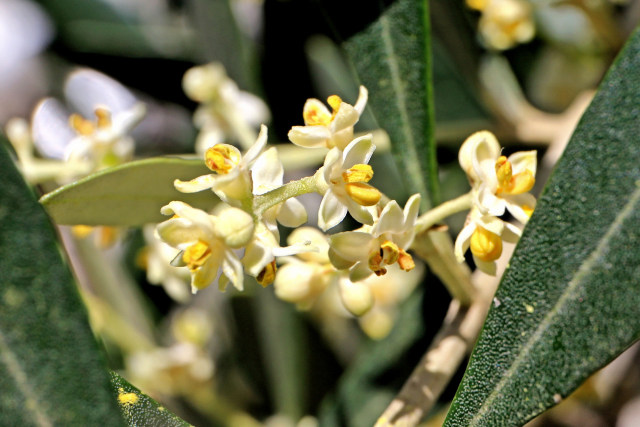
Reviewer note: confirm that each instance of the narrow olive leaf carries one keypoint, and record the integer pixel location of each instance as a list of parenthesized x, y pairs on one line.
[(130, 194), (51, 370), (569, 302), (138, 409), (393, 60)]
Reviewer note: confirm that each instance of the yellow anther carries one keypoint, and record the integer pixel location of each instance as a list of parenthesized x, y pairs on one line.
[(485, 245), (512, 184), (375, 263), (334, 102), (221, 158), (358, 173), (81, 125), (267, 275), (363, 194), (390, 252), (196, 255), (477, 4), (503, 172), (313, 116), (104, 117), (405, 261), (528, 210), (81, 231)]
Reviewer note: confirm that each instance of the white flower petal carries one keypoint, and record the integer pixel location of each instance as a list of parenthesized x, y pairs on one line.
[(362, 214), (356, 297), (292, 214), (331, 211), (462, 241), (180, 233), (346, 117), (358, 151), (515, 204), (491, 223), (488, 267), (182, 210), (359, 272), (363, 95), (391, 220), (511, 233), (50, 128), (309, 136), (257, 147), (267, 171), (352, 245), (200, 183), (524, 160), (232, 269)]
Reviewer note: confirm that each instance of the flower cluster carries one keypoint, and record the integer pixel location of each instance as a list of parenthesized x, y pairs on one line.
[(241, 234), (498, 184), (504, 24)]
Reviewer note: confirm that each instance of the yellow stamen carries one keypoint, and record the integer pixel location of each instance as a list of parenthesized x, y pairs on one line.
[(334, 102), (267, 275), (512, 184), (81, 125), (104, 117), (390, 252), (405, 261), (477, 4), (221, 158), (358, 173), (485, 245), (363, 194), (375, 263), (196, 255)]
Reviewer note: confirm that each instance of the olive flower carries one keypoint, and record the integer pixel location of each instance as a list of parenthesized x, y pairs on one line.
[(499, 183), (346, 175), (208, 241), (324, 128), (372, 248), (484, 235)]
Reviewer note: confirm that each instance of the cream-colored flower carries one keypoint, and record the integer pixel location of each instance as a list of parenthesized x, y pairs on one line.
[(484, 234), (156, 259), (505, 23), (102, 141), (225, 112), (232, 178), (324, 128), (304, 277), (208, 241), (371, 249), (499, 183), (346, 174)]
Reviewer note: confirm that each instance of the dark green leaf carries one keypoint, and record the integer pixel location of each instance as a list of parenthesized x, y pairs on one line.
[(569, 301), (51, 371), (131, 194), (139, 409), (393, 60)]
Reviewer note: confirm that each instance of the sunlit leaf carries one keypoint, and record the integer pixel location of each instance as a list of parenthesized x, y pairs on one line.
[(131, 194), (51, 371), (392, 57), (138, 409), (568, 303)]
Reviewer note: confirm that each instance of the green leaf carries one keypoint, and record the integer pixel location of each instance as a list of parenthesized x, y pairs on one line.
[(393, 60), (138, 409), (51, 371), (569, 302), (130, 194)]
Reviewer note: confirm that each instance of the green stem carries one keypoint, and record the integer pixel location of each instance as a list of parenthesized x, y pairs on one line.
[(440, 212), (310, 184)]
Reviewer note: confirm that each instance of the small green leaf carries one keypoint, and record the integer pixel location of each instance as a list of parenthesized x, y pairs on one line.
[(138, 409), (51, 371), (393, 60), (569, 301), (130, 194)]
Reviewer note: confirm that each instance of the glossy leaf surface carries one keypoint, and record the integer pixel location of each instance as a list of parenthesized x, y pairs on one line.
[(130, 194), (393, 60), (569, 302), (138, 409), (51, 370)]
